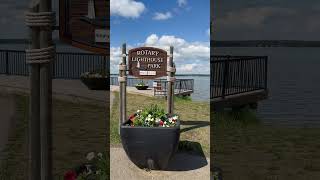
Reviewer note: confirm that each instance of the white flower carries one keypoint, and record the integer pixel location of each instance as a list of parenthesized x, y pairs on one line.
[(90, 156), (175, 117), (139, 111), (151, 119), (165, 122), (88, 169), (149, 115)]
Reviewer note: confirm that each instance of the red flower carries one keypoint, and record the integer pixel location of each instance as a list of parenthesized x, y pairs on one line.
[(132, 117), (160, 122), (70, 175)]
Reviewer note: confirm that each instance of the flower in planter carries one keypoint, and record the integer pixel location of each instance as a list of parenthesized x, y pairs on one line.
[(70, 175), (141, 84), (95, 168), (94, 74), (153, 116)]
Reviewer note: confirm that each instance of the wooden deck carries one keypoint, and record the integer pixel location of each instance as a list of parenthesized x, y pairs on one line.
[(177, 92), (239, 99), (150, 91)]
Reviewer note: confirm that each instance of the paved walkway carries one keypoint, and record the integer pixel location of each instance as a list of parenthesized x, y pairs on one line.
[(73, 90), (7, 112), (182, 166), (134, 90)]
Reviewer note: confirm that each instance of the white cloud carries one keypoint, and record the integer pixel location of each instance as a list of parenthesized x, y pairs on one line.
[(126, 8), (182, 2), (152, 39), (186, 67), (190, 57), (193, 68), (162, 16), (208, 31)]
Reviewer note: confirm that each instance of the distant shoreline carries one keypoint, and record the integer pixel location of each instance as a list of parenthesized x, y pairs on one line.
[(265, 43), (176, 74), (216, 43)]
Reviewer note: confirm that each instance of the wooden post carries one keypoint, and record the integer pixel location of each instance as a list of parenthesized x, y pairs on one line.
[(34, 121), (170, 94), (123, 91), (45, 99)]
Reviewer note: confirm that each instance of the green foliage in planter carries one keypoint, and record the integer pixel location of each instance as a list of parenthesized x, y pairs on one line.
[(141, 84), (153, 116), (99, 73), (96, 168)]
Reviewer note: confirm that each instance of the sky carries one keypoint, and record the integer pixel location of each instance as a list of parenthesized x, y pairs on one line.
[(183, 24), (266, 19)]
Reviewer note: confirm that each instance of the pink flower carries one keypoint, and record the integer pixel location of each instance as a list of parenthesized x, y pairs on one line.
[(160, 122), (132, 117), (70, 175)]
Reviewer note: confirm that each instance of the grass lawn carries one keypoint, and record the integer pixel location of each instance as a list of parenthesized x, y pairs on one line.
[(194, 120), (78, 128), (246, 149)]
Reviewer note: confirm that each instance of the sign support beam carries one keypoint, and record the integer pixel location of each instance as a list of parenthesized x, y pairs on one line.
[(123, 89), (45, 98), (170, 93), (34, 121)]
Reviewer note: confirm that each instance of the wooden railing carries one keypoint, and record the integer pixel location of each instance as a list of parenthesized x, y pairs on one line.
[(232, 75)]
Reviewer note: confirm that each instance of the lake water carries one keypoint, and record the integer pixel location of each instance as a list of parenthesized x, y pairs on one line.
[(293, 81)]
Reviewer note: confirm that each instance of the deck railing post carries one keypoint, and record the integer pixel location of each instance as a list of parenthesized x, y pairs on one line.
[(265, 72), (225, 77), (7, 63)]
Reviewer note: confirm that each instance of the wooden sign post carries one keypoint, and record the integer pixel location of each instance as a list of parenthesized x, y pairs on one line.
[(41, 20), (146, 63)]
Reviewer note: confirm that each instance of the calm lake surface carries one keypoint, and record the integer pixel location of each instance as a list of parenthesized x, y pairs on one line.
[(293, 81)]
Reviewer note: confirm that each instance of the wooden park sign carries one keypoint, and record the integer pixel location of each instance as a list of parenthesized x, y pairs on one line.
[(147, 62), (85, 24)]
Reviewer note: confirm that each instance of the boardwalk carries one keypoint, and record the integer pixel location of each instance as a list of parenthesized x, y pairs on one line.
[(182, 87), (151, 91)]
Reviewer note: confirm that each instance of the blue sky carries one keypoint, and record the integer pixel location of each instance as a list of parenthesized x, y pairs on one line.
[(161, 23)]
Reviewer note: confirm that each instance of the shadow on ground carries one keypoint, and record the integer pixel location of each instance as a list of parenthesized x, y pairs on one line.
[(193, 125), (189, 157)]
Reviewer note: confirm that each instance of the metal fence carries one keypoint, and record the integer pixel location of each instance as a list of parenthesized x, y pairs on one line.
[(65, 66), (237, 74)]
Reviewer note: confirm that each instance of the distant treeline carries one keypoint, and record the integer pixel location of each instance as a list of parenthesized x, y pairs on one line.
[(266, 43), (22, 41)]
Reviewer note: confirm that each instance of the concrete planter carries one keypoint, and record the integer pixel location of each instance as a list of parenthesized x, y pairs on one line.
[(142, 87), (94, 83), (150, 147)]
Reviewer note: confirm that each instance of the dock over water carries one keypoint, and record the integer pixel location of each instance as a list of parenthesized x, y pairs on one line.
[(237, 81), (158, 87)]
